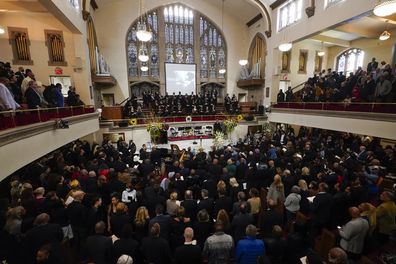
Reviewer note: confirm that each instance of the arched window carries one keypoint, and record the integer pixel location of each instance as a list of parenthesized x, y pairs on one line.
[(350, 60), (135, 47), (175, 39)]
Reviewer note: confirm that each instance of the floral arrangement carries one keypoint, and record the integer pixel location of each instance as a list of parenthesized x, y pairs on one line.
[(230, 124), (154, 127), (218, 140), (240, 117), (268, 129), (133, 121)]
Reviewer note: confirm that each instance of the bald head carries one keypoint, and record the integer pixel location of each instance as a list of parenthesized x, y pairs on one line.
[(338, 256), (188, 234), (100, 227), (354, 212)]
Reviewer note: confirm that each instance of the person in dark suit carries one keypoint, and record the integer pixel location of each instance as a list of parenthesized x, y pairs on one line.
[(190, 205), (43, 233), (206, 202), (203, 227), (223, 202), (270, 218), (99, 247), (119, 219), (189, 253), (154, 248), (33, 98), (240, 222), (77, 214), (163, 220), (126, 245), (321, 210)]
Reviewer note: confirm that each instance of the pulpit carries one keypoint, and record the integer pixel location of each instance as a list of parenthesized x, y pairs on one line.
[(112, 112)]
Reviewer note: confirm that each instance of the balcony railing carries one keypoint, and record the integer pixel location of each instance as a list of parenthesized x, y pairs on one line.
[(386, 108), (12, 119)]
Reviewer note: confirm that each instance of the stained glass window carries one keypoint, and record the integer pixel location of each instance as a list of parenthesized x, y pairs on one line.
[(350, 60), (177, 30), (178, 34), (213, 51), (134, 46)]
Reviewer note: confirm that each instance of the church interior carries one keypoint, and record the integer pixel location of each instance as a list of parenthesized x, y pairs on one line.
[(197, 131)]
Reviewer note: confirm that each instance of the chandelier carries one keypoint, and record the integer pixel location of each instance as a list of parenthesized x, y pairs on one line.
[(385, 8), (143, 54), (142, 32), (385, 35), (222, 70), (243, 62), (322, 52)]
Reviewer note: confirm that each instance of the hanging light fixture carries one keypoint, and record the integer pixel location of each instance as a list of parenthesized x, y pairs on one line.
[(321, 53), (285, 46), (385, 35), (243, 62), (385, 8), (222, 70), (2, 30), (144, 68), (143, 54), (143, 33)]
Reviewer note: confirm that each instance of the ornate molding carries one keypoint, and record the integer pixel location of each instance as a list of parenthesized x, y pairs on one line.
[(268, 33), (85, 15)]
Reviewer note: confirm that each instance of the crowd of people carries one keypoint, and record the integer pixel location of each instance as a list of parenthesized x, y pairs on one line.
[(21, 88), (264, 200), (180, 105), (375, 84)]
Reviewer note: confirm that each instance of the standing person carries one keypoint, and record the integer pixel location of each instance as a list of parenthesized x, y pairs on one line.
[(386, 214), (276, 192), (71, 99), (219, 247), (240, 222), (292, 203), (321, 210), (154, 248), (353, 234), (249, 249), (189, 253), (280, 97), (99, 246), (25, 83), (59, 100), (7, 101)]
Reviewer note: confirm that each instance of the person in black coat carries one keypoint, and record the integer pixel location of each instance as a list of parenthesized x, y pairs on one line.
[(206, 202), (189, 253), (99, 247), (154, 248), (119, 219), (43, 233), (77, 214), (127, 245), (33, 97), (163, 220), (321, 210), (276, 245), (190, 205), (203, 227), (223, 202), (240, 222), (270, 218)]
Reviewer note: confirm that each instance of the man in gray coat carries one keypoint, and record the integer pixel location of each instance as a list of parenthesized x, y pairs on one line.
[(353, 234)]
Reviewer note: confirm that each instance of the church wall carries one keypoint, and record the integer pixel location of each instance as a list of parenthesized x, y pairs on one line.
[(112, 31), (323, 19)]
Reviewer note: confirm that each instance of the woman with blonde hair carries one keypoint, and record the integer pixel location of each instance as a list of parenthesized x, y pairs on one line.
[(172, 204), (223, 217), (368, 212), (141, 223), (304, 193), (221, 186), (235, 187), (276, 191)]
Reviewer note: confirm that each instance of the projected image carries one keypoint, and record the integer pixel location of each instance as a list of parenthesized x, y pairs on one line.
[(180, 78)]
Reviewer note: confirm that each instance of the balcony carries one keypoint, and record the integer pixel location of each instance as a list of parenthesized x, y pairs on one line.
[(374, 119), (27, 135)]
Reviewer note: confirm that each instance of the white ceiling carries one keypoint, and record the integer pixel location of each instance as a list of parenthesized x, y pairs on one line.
[(340, 35), (30, 6)]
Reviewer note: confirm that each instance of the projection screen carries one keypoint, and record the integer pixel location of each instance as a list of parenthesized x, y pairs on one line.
[(180, 78)]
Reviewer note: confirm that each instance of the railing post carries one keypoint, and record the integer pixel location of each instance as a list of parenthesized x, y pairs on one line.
[(39, 115)]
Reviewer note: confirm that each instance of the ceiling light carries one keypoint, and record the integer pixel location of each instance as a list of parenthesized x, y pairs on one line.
[(243, 62), (285, 46), (386, 8), (321, 53), (143, 56), (142, 33), (144, 68), (2, 30), (385, 35), (222, 71)]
